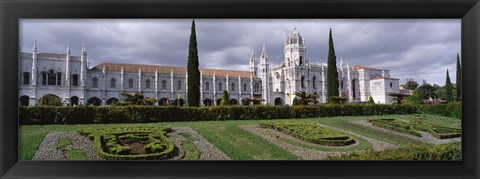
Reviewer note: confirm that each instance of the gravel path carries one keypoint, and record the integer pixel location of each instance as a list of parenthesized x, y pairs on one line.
[(426, 137), (272, 136), (47, 150), (207, 150)]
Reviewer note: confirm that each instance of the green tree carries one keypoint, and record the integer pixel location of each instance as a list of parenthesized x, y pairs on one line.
[(304, 98), (193, 98), (370, 100), (416, 98), (137, 99), (427, 90), (410, 84), (50, 100), (448, 88), (225, 99), (295, 102), (459, 79), (397, 98), (332, 73)]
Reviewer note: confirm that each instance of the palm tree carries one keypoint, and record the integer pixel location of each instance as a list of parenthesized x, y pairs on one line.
[(138, 99), (306, 98), (397, 98)]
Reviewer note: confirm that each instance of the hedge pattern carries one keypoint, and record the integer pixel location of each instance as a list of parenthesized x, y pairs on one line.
[(144, 114)]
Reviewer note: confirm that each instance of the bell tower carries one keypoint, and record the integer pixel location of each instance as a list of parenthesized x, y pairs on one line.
[(295, 50)]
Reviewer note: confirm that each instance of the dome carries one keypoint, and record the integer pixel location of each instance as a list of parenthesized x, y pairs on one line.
[(294, 37)]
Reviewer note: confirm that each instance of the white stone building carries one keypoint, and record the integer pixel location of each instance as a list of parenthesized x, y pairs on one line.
[(71, 79)]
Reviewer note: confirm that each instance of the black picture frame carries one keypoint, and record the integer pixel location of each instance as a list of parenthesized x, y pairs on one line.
[(12, 10)]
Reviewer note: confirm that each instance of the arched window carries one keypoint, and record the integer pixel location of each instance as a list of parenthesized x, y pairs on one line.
[(130, 83), (288, 61), (75, 80), (147, 84), (233, 87), (179, 84), (244, 86), (51, 78), (220, 85), (24, 101), (59, 78), (301, 60), (302, 82), (207, 86), (112, 83), (26, 78), (391, 85), (341, 84), (257, 87), (314, 81), (164, 84), (353, 89), (44, 78), (95, 82)]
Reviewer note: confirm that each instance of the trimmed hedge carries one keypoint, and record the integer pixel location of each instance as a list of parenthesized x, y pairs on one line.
[(452, 151), (311, 132), (144, 114), (453, 109)]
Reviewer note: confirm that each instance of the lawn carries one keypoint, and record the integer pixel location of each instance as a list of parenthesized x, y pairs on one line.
[(235, 142)]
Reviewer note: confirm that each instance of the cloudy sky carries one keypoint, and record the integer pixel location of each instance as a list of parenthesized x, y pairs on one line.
[(418, 49)]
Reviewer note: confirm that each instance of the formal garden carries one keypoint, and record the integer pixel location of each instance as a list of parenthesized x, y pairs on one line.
[(262, 132)]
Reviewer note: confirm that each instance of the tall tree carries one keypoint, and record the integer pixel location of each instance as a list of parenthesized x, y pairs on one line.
[(459, 78), (448, 87), (410, 84), (332, 73), (193, 72), (225, 99)]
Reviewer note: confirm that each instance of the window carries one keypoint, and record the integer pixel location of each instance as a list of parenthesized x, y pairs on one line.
[(179, 84), (391, 85), (44, 78), (59, 78), (288, 61), (130, 83), (207, 86), (341, 84), (244, 86), (26, 78), (301, 60), (220, 86), (51, 78), (147, 83), (302, 82), (233, 87), (95, 82), (164, 84), (75, 80), (112, 83), (257, 87), (314, 81)]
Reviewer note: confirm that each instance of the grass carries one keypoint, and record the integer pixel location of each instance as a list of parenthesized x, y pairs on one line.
[(191, 152), (75, 155), (62, 143), (235, 142)]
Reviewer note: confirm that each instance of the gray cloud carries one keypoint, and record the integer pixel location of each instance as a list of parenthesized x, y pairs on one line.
[(419, 49)]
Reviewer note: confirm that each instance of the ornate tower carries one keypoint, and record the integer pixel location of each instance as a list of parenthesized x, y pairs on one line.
[(67, 67), (264, 75), (34, 64), (295, 49), (83, 67), (253, 64)]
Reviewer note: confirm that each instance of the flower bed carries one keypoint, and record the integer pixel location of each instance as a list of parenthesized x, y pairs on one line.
[(311, 132), (131, 143), (414, 127)]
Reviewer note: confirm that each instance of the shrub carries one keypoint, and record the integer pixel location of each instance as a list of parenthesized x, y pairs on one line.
[(453, 109), (452, 151), (145, 114)]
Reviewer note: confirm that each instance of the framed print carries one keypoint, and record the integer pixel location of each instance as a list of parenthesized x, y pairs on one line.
[(222, 89)]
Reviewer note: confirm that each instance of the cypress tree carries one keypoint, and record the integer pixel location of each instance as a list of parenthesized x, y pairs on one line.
[(459, 79), (448, 87), (193, 72), (332, 73), (225, 99)]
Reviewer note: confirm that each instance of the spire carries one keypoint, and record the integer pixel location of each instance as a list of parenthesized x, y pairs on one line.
[(252, 55), (68, 49), (84, 49), (264, 52), (35, 45)]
